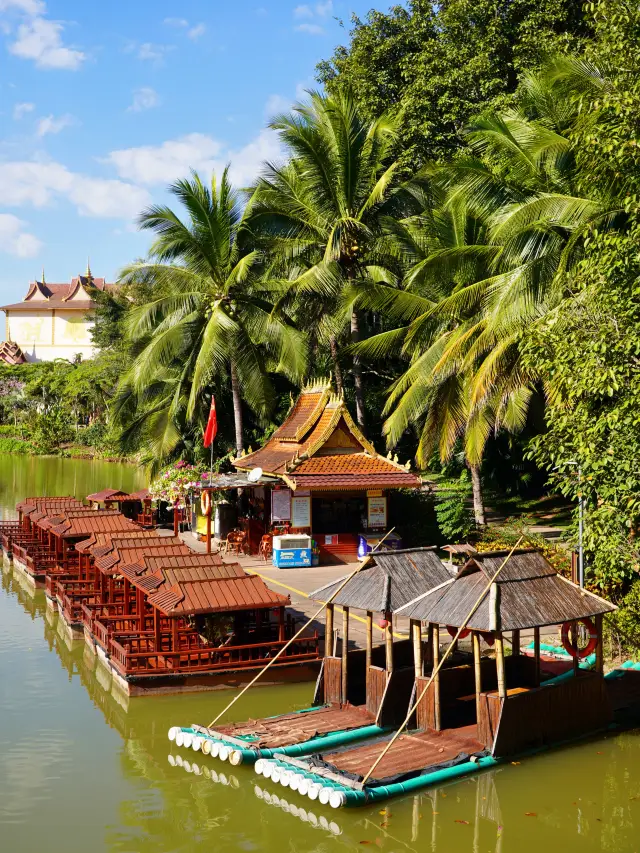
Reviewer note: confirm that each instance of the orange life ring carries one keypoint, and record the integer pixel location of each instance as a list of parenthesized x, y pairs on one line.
[(574, 651), (453, 631), (205, 503)]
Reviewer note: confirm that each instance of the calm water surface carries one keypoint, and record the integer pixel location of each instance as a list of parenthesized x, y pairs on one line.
[(82, 771)]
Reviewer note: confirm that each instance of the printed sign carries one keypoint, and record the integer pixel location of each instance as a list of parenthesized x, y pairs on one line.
[(281, 505), (328, 540), (300, 511), (377, 512)]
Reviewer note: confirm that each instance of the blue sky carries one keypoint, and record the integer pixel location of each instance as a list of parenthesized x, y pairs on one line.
[(102, 104)]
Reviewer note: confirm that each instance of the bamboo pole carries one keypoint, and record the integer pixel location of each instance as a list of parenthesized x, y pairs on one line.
[(439, 666), (369, 633), (388, 640), (599, 647), (345, 653), (299, 631), (416, 633), (477, 667), (536, 656), (328, 632), (435, 656), (502, 684)]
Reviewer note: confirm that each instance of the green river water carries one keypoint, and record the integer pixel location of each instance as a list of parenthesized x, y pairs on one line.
[(84, 772)]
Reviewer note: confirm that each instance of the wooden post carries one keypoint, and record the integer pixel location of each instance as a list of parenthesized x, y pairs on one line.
[(416, 633), (388, 641), (430, 644), (599, 647), (502, 684), (281, 632), (536, 656), (176, 521), (475, 640), (436, 680), (328, 637), (156, 628), (515, 643), (174, 633), (209, 527), (369, 633), (345, 652)]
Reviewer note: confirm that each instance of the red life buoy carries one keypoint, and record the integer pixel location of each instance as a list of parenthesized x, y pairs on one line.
[(205, 503), (574, 651), (453, 631)]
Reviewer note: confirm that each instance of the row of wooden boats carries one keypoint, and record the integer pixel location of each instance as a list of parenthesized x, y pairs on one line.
[(480, 707), (160, 616)]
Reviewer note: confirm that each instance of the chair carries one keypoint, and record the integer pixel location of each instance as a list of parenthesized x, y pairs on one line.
[(266, 547), (234, 543)]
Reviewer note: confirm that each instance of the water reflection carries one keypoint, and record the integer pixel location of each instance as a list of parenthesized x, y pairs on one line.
[(84, 770)]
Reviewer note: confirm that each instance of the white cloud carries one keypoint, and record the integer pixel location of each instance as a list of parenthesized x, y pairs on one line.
[(15, 240), (195, 32), (40, 40), (178, 23), (311, 29), (303, 12), (275, 105), (50, 124), (149, 52), (324, 9), (144, 98), (28, 7), (20, 110), (161, 164), (40, 184)]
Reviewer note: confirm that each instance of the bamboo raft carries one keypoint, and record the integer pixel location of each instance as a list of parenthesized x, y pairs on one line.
[(463, 718)]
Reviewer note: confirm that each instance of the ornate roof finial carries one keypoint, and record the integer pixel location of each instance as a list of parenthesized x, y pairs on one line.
[(88, 273), (43, 281)]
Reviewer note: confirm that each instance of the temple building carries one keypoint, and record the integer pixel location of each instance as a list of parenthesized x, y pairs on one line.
[(52, 321), (331, 482)]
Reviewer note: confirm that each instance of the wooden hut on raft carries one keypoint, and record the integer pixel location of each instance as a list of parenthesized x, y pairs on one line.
[(326, 480), (476, 714), (360, 692)]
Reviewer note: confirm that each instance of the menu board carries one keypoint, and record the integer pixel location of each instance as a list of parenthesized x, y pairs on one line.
[(377, 512), (281, 505), (300, 511)]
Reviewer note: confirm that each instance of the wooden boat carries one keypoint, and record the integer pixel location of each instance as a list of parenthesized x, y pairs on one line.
[(361, 693), (475, 716)]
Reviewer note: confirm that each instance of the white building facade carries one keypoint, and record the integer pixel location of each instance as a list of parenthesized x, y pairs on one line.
[(55, 320)]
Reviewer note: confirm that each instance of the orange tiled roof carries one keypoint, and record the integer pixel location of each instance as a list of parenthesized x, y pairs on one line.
[(319, 446), (216, 596)]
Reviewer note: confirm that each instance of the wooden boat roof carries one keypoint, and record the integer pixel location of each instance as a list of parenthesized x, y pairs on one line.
[(99, 544), (530, 594), (191, 597), (135, 572), (31, 505), (96, 521), (319, 446), (388, 580), (135, 553), (110, 495)]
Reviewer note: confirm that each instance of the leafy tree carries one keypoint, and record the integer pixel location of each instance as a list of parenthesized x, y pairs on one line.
[(209, 320), (453, 497), (443, 64), (320, 215)]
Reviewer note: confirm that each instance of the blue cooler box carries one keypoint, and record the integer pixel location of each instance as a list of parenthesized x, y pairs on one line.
[(291, 551)]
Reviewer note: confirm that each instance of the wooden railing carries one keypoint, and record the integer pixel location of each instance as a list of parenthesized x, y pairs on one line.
[(208, 658)]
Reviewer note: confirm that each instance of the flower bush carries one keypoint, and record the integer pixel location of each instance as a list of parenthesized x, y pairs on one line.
[(176, 482)]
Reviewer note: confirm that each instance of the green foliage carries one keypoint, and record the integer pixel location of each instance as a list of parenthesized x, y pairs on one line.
[(453, 502), (51, 428), (622, 628), (442, 64), (15, 445)]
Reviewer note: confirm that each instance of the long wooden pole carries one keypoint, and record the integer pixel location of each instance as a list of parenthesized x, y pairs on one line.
[(345, 653), (439, 666), (297, 634)]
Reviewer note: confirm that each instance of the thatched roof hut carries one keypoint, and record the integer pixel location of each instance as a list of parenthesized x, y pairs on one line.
[(388, 580), (528, 593)]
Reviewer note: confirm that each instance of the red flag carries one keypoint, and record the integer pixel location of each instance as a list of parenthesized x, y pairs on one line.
[(212, 424)]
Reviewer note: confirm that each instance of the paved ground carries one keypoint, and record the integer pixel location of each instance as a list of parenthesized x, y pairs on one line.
[(298, 583)]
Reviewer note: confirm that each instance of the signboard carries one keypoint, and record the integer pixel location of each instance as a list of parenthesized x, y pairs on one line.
[(300, 511), (377, 512), (374, 493), (281, 505), (328, 540)]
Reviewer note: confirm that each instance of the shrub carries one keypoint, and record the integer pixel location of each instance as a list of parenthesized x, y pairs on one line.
[(453, 508), (15, 445)]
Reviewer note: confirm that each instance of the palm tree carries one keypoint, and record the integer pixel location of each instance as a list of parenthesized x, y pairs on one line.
[(320, 215), (515, 216), (210, 319)]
